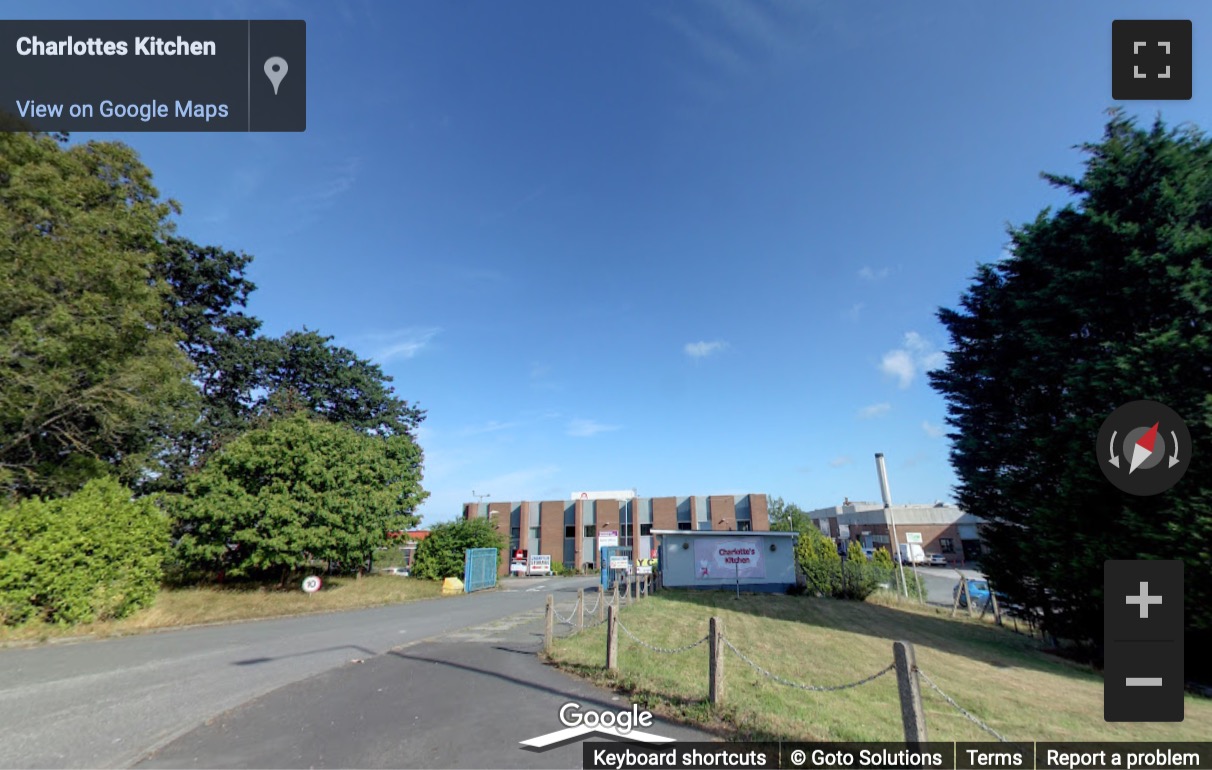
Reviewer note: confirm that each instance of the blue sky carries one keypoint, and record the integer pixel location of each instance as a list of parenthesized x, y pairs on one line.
[(681, 247)]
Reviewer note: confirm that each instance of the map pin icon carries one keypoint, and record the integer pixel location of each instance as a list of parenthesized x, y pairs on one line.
[(275, 70)]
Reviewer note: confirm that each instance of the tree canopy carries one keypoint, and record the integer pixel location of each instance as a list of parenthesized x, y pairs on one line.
[(1105, 301), (298, 490), (91, 378), (788, 517)]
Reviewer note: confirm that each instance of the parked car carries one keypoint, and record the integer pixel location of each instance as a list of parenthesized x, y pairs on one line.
[(398, 571), (869, 553), (977, 589), (937, 560)]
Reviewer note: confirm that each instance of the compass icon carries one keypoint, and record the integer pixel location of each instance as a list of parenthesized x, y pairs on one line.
[(1144, 448)]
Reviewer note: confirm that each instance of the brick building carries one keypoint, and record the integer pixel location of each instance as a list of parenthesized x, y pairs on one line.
[(942, 528), (567, 530)]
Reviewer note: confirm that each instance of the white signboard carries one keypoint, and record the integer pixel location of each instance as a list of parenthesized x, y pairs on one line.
[(608, 539), (643, 569), (311, 584), (625, 494), (717, 557), (913, 537), (620, 562)]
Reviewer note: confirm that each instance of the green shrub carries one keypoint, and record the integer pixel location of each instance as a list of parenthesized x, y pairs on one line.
[(818, 559), (860, 579), (441, 554), (96, 555)]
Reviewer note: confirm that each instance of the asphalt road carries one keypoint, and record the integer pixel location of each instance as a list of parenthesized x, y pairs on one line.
[(110, 703), (939, 582), (462, 700)]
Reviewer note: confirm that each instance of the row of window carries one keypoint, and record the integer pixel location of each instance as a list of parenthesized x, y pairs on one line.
[(590, 531)]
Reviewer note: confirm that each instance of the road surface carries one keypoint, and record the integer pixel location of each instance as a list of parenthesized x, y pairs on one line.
[(108, 703)]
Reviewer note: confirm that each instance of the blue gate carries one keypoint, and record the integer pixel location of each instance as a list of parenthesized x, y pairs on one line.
[(479, 569), (609, 575)]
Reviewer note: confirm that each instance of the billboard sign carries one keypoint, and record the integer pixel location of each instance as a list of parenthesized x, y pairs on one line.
[(719, 558), (608, 539), (620, 562), (913, 537)]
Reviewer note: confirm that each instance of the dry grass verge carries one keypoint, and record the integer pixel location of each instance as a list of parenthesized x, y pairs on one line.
[(178, 607), (1003, 678)]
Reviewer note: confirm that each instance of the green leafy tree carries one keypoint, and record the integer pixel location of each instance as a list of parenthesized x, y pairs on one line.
[(94, 555), (1105, 301), (306, 371), (91, 379), (208, 292), (298, 490), (787, 517), (818, 559), (441, 554)]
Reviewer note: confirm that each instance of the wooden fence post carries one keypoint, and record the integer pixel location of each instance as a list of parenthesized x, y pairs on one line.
[(910, 691), (601, 605), (715, 661), (549, 628), (955, 601), (612, 638), (580, 609), (616, 592)]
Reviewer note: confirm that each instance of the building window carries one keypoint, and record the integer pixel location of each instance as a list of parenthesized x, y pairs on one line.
[(570, 531), (645, 530), (743, 526), (515, 532), (946, 544), (590, 531), (683, 525)]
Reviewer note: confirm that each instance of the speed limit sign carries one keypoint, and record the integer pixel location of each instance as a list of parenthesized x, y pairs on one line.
[(311, 584)]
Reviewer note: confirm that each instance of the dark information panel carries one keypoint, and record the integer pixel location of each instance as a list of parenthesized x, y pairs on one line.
[(153, 75)]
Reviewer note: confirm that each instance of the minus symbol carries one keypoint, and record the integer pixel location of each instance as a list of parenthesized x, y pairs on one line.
[(1143, 681)]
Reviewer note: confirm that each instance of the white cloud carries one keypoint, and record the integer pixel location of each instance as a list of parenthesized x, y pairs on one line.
[(932, 430), (875, 410), (704, 349), (586, 428), (332, 184), (855, 310), (841, 461), (403, 343), (874, 274), (915, 356)]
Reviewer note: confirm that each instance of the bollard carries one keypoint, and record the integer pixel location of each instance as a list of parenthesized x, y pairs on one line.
[(612, 638), (715, 661), (910, 691), (580, 609), (550, 625)]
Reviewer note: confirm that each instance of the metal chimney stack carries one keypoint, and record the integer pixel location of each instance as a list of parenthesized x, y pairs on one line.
[(891, 518), (883, 474)]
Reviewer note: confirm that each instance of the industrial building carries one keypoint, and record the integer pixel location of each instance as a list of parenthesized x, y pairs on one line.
[(937, 528), (567, 530)]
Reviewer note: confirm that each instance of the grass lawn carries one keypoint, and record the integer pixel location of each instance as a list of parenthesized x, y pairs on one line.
[(1001, 677), (175, 607)]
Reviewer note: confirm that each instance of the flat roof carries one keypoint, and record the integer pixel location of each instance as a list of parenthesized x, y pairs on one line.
[(723, 533)]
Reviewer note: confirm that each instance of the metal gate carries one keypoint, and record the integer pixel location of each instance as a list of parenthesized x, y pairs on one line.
[(609, 575), (479, 569)]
